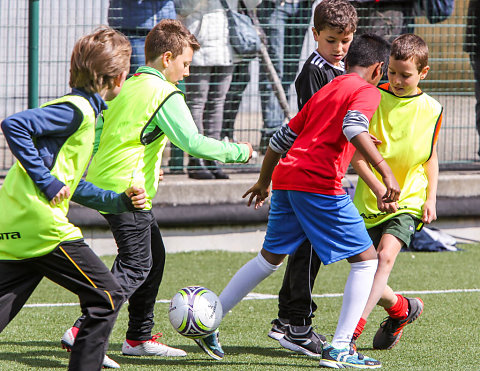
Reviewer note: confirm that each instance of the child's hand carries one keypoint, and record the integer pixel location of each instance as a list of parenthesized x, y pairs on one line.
[(392, 193), (260, 192), (387, 207), (429, 212), (138, 196), (160, 175), (375, 141), (250, 149), (62, 195)]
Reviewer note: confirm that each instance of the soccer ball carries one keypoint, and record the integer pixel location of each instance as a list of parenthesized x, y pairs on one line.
[(195, 312)]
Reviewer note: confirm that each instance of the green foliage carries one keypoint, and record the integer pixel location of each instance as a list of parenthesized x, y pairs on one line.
[(446, 336)]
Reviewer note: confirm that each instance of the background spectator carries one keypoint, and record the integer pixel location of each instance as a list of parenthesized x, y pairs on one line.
[(285, 23), (472, 47), (386, 18), (135, 18), (240, 80), (210, 73)]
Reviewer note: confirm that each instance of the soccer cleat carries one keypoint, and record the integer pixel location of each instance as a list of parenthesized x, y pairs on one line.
[(310, 344), (211, 345), (391, 329), (152, 347), (278, 329), (68, 339), (109, 363), (347, 357)]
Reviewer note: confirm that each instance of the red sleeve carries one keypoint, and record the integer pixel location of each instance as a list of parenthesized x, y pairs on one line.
[(298, 122), (365, 100)]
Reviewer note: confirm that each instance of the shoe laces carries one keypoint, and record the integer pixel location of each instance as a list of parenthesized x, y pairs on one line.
[(353, 350), (388, 324), (158, 335)]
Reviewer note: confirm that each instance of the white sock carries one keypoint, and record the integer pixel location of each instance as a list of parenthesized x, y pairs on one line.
[(355, 296), (245, 280)]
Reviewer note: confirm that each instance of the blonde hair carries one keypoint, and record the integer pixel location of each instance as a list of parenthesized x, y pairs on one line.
[(98, 58), (168, 35)]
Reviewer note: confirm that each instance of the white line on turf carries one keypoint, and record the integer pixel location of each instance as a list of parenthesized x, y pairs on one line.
[(255, 296)]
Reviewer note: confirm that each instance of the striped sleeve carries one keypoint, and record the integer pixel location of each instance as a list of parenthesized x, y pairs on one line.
[(354, 123), (283, 139)]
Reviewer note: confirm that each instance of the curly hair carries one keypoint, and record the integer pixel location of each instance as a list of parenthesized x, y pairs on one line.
[(336, 14)]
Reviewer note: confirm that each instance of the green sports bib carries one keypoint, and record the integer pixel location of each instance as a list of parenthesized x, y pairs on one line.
[(32, 227)]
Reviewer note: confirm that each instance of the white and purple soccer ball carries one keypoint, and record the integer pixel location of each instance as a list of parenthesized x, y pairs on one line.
[(195, 311)]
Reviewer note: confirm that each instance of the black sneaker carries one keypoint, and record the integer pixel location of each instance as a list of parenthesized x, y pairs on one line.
[(278, 329), (310, 344), (391, 329)]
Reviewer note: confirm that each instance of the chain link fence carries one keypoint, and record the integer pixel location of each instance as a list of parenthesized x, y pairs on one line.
[(245, 118)]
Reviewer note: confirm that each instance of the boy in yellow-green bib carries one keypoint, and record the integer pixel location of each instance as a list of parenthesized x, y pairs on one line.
[(407, 123), (53, 145), (148, 112)]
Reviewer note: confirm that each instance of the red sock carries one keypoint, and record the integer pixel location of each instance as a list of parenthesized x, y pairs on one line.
[(400, 309), (359, 329), (75, 331), (134, 343)]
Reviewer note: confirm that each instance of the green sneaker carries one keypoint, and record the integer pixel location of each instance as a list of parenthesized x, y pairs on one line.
[(347, 357), (211, 345)]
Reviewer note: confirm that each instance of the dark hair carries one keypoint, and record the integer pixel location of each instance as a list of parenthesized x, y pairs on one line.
[(168, 35), (368, 49), (409, 46), (336, 14), (98, 58)]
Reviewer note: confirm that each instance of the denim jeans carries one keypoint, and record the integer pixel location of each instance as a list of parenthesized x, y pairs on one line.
[(136, 33), (285, 25)]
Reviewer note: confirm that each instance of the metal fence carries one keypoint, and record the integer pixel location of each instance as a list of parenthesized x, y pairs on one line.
[(61, 23)]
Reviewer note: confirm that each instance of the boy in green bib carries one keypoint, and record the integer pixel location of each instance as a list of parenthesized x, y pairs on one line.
[(407, 123), (53, 145), (149, 111)]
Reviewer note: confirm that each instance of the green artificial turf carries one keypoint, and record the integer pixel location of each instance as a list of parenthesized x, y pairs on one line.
[(445, 337)]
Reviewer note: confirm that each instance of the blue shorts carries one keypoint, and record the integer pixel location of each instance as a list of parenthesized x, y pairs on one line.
[(331, 223)]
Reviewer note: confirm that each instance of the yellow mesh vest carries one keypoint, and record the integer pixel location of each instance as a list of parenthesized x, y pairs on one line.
[(125, 155), (407, 127), (32, 227)]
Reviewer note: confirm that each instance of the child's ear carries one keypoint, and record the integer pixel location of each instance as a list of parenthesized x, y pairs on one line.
[(378, 71), (424, 72), (120, 79), (166, 59), (315, 34)]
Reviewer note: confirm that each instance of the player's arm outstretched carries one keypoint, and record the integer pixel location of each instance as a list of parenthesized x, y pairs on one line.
[(431, 169)]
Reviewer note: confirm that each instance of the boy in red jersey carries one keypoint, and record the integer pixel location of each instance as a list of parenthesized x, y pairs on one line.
[(407, 122), (308, 199)]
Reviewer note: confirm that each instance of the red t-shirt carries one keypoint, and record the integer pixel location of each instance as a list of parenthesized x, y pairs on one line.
[(319, 157)]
